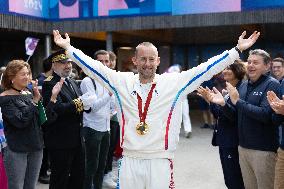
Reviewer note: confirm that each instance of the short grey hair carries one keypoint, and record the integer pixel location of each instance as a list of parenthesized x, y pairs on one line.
[(145, 44), (265, 55)]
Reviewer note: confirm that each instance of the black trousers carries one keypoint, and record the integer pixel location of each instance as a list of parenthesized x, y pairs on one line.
[(96, 151), (67, 168), (231, 168), (114, 139)]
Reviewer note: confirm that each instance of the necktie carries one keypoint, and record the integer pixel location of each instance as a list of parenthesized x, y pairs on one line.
[(70, 86)]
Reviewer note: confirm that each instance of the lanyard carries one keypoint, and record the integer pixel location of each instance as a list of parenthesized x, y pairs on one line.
[(143, 115)]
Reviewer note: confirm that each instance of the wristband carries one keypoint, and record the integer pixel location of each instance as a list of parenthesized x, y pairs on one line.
[(238, 50)]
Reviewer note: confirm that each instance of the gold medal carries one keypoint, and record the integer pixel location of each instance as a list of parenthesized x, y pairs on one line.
[(142, 128)]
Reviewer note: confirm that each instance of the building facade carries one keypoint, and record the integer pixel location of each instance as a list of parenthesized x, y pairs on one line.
[(186, 32)]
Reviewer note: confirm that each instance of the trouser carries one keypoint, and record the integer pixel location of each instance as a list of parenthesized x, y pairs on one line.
[(145, 173), (279, 170), (96, 150), (258, 168), (22, 168), (231, 168), (114, 139), (45, 163), (185, 116), (3, 176), (67, 168)]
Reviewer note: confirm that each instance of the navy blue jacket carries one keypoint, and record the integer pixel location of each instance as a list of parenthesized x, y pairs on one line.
[(256, 129), (227, 128), (278, 119)]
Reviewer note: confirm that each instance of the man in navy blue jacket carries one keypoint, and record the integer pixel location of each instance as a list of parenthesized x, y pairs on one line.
[(278, 106), (258, 137)]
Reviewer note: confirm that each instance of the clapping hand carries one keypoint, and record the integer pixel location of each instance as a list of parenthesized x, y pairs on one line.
[(213, 96), (275, 103), (56, 89), (204, 93), (36, 92), (233, 93)]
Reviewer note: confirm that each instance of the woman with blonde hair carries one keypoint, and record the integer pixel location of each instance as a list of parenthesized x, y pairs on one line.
[(23, 154)]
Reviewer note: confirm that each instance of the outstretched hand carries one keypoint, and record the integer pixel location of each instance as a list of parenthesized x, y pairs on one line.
[(60, 41), (244, 44)]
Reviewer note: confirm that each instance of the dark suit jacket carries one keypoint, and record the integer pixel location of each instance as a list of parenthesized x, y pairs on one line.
[(64, 132), (227, 128)]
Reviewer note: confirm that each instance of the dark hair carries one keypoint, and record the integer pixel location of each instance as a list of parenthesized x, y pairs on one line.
[(100, 52), (278, 60), (265, 55), (238, 68), (47, 65), (11, 71)]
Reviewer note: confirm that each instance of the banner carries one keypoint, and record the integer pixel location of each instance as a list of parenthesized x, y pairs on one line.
[(81, 9), (31, 44), (180, 7), (68, 8), (27, 7)]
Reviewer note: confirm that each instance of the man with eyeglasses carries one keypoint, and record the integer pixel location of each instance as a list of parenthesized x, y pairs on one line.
[(150, 108)]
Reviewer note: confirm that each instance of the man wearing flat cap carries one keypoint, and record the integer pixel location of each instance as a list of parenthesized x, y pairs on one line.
[(62, 137)]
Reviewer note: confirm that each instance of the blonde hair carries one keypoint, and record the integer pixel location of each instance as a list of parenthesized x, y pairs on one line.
[(11, 71)]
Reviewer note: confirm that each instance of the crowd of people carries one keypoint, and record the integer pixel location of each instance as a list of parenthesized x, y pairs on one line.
[(247, 128), (71, 137), (138, 117)]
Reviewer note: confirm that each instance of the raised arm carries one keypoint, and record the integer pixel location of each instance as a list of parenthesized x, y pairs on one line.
[(93, 68), (191, 79)]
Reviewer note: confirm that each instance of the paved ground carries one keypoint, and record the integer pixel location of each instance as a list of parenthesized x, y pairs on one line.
[(196, 163)]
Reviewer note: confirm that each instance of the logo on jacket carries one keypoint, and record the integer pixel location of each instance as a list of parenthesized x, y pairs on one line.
[(257, 93)]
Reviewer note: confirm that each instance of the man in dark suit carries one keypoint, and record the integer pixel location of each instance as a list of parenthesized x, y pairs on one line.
[(62, 137)]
